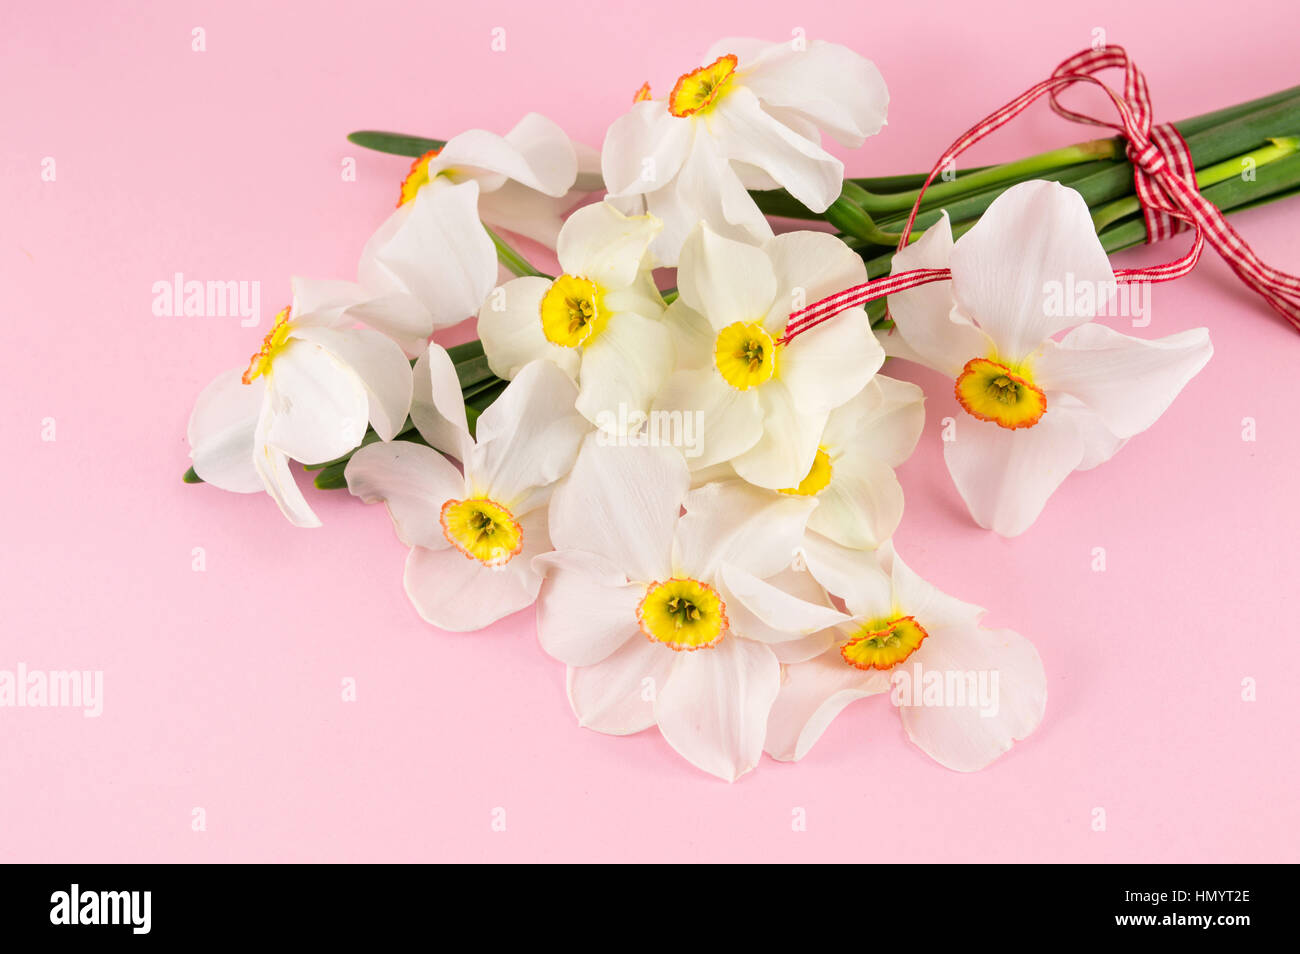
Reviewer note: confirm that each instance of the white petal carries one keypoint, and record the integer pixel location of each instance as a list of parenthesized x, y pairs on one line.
[(379, 363), (1005, 476), (622, 503), (1129, 382), (733, 522), (828, 84), (523, 211), (926, 325), (707, 189), (437, 406), (221, 432), (323, 302), (725, 280), (622, 369), (798, 582), (693, 336), (642, 296), (644, 148), (601, 243), (812, 694), (273, 468), (730, 420), (748, 50), (458, 593), (510, 327), (968, 737), (757, 609), (830, 363), (536, 153), (747, 134), (440, 255), (931, 606), (398, 315), (783, 456), (587, 608), (855, 576), (318, 405), (616, 695), (862, 505), (884, 421), (809, 266), (1099, 443), (414, 482), (527, 439), (1035, 236), (714, 708)]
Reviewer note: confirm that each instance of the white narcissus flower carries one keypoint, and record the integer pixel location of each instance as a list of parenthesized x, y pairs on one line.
[(305, 395), (599, 321), (965, 693), (751, 118), (669, 619), (431, 264), (859, 499), (474, 534), (764, 403), (1038, 405), (523, 177)]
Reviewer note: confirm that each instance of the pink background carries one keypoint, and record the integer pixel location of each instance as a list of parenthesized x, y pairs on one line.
[(222, 688)]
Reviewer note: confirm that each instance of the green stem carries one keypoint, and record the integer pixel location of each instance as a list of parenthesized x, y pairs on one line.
[(1279, 148), (512, 259), (1029, 167)]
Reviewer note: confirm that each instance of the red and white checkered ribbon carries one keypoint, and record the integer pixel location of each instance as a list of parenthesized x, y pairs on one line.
[(1164, 178)]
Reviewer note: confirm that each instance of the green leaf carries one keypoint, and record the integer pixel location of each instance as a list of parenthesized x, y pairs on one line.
[(397, 144)]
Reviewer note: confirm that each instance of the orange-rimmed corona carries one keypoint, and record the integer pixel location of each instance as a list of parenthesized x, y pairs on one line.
[(992, 391), (416, 177), (260, 363), (884, 644), (699, 90), (682, 614), (482, 529)]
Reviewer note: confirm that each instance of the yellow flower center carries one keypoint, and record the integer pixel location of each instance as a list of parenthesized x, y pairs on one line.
[(698, 91), (260, 363), (416, 177), (745, 355), (642, 94), (819, 475), (482, 529), (992, 391), (572, 311), (682, 614), (883, 644)]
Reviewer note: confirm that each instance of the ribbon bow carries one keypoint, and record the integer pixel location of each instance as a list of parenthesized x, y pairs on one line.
[(1164, 179)]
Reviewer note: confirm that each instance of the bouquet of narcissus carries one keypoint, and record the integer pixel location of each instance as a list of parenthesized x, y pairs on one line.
[(691, 472)]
